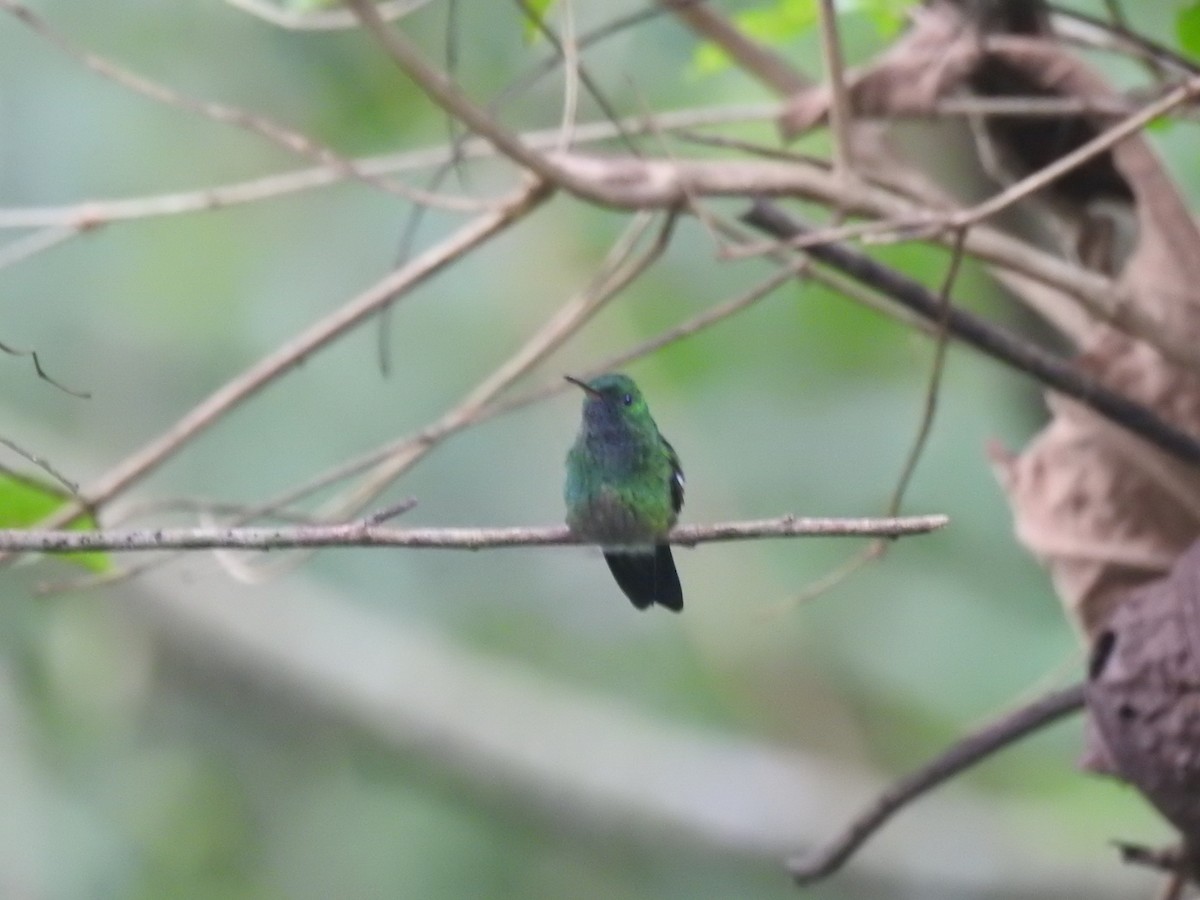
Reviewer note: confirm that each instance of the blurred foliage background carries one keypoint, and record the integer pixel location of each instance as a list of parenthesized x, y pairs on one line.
[(501, 724)]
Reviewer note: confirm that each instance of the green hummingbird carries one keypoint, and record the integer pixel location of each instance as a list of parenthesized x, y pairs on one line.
[(624, 490)]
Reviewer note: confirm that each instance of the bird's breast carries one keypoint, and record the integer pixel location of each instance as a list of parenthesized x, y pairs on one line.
[(608, 518)]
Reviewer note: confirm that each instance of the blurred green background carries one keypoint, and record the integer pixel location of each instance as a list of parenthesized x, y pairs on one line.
[(499, 724)]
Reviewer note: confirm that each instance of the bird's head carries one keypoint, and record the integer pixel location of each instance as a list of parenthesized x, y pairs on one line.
[(613, 398)]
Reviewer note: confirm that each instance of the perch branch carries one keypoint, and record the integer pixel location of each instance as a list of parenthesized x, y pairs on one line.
[(368, 533)]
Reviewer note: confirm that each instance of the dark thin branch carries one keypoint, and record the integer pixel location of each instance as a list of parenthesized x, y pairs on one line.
[(369, 533), (992, 340), (1133, 43), (965, 753), (42, 463), (41, 373)]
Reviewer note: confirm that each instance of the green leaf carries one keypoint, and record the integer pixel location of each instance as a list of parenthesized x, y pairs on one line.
[(1187, 28), (888, 16), (26, 501), (775, 25), (535, 15)]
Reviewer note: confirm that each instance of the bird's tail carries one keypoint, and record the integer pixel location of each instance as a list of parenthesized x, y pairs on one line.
[(647, 578)]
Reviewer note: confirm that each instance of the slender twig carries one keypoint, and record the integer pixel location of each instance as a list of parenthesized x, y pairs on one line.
[(933, 390), (99, 212), (145, 460), (41, 462), (41, 372), (585, 41), (567, 52), (574, 74), (878, 549), (839, 106), (442, 90), (999, 343), (367, 533), (289, 139), (697, 323), (961, 756), (1130, 43), (1120, 27)]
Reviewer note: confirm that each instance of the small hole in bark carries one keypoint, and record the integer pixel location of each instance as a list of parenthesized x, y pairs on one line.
[(1101, 651), (1125, 712)]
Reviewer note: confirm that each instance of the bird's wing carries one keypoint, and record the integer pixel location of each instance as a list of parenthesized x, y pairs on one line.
[(676, 476)]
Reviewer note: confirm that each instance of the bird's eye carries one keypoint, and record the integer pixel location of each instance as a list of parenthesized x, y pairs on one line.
[(627, 399)]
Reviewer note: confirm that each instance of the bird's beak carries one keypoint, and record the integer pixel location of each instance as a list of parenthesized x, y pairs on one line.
[(583, 384)]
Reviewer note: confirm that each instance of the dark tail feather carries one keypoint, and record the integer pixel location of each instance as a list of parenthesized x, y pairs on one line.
[(648, 578)]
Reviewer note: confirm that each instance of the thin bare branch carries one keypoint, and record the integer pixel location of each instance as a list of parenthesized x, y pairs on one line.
[(1091, 33), (441, 89), (289, 139), (697, 323), (367, 533), (41, 462), (32, 355), (933, 390), (567, 49), (878, 549), (961, 756), (97, 212), (839, 107)]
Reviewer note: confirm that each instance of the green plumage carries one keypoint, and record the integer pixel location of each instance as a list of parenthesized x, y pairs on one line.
[(624, 490)]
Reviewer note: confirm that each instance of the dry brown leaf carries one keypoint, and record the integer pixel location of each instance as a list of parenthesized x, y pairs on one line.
[(1102, 509)]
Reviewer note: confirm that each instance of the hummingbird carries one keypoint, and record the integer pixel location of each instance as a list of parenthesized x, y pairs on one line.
[(624, 489)]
